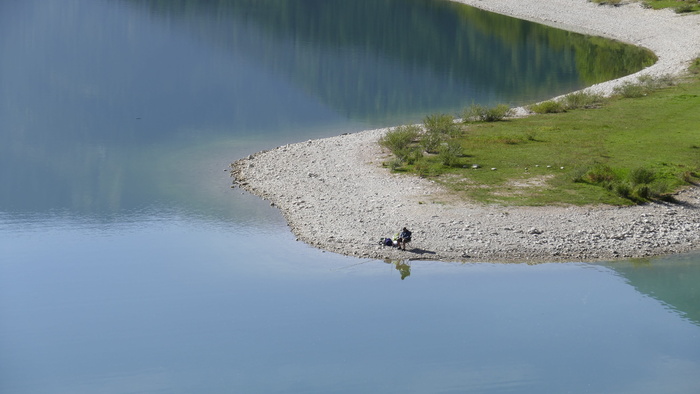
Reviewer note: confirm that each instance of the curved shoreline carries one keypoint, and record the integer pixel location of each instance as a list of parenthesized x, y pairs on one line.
[(336, 196)]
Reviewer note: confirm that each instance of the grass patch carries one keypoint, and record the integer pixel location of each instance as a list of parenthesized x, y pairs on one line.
[(569, 102), (679, 6), (695, 66), (547, 107), (644, 85), (627, 151), (480, 113)]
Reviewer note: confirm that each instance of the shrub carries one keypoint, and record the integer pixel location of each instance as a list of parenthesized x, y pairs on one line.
[(431, 142), (695, 66), (645, 84), (413, 155), (422, 169), (600, 173), (683, 8), (687, 176), (657, 82), (440, 123), (579, 175), (630, 90), (659, 189), (398, 139), (623, 190), (450, 152), (582, 100), (642, 176), (395, 164), (642, 192), (606, 2), (478, 112), (547, 107)]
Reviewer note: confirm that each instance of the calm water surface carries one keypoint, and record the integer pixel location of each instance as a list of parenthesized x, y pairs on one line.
[(128, 265)]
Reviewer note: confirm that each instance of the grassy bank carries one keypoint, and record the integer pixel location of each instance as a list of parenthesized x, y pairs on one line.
[(643, 144), (679, 6)]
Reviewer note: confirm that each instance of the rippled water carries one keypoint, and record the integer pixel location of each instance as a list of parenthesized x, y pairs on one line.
[(128, 265)]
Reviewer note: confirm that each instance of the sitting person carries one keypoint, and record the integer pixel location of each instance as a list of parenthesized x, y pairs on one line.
[(403, 238)]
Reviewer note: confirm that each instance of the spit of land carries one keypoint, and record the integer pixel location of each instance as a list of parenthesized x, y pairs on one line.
[(336, 195)]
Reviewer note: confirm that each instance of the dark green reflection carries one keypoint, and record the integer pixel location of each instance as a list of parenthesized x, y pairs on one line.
[(367, 58), (671, 280), (109, 105)]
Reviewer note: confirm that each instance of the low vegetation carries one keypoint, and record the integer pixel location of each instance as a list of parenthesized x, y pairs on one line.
[(679, 6), (581, 149), (569, 102), (480, 113), (643, 86)]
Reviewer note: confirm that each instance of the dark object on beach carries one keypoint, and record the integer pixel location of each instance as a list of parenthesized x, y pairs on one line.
[(404, 238)]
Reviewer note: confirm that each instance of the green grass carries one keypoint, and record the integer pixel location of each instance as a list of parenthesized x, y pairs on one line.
[(650, 143), (680, 6)]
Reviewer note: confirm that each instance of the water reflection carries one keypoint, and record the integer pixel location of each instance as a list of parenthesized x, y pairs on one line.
[(114, 105), (670, 280), (367, 58), (403, 266)]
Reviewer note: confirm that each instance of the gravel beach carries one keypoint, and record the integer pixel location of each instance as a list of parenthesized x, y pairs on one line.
[(336, 196)]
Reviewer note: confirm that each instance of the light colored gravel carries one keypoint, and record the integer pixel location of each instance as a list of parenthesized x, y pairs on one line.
[(336, 196)]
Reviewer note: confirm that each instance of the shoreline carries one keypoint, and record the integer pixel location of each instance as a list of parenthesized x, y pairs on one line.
[(335, 195)]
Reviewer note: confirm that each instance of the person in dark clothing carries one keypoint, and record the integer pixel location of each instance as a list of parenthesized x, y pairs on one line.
[(404, 238)]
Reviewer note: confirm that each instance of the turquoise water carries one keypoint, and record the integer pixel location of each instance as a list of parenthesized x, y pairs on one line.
[(128, 265)]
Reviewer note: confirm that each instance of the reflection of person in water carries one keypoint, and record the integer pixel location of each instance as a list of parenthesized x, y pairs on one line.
[(404, 268)]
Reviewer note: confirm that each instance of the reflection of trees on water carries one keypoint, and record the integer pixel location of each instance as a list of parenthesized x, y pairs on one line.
[(403, 266), (367, 58), (672, 281)]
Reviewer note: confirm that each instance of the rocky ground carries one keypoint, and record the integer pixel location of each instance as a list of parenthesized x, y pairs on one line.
[(336, 196)]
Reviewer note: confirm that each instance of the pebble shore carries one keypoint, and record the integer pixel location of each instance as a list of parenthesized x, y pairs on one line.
[(336, 196)]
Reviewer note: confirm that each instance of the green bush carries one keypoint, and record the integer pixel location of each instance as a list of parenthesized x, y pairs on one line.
[(477, 112), (600, 173), (395, 164), (440, 124), (450, 152), (622, 189), (399, 139), (631, 90), (642, 176), (695, 66), (412, 155), (639, 185), (659, 188), (657, 82), (645, 84), (431, 142), (606, 2), (582, 100), (683, 8), (547, 107), (642, 192)]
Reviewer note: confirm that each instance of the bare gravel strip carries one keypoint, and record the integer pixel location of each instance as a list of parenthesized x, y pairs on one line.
[(336, 196)]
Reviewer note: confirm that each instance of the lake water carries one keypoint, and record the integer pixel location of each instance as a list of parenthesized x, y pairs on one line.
[(128, 264)]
